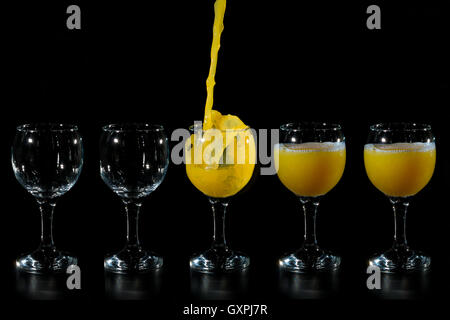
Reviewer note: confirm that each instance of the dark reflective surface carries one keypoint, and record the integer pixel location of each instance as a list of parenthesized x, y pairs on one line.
[(404, 286), (100, 74), (308, 286), (133, 286), (41, 287), (219, 286)]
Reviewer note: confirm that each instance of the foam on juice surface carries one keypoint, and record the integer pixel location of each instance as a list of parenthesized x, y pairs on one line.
[(401, 147), (311, 147)]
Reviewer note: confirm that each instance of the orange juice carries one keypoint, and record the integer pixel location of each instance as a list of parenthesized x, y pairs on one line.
[(227, 173), (310, 169), (219, 160), (400, 169)]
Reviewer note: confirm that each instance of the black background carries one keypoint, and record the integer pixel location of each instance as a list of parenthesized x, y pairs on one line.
[(279, 62)]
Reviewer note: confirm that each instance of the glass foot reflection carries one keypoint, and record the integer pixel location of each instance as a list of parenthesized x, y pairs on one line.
[(404, 286), (133, 286), (319, 285), (306, 260), (395, 260), (219, 286), (133, 261), (51, 286), (45, 261), (213, 260)]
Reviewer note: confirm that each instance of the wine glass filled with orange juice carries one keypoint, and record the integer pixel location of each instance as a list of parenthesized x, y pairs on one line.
[(220, 158), (310, 161), (399, 160), (220, 162)]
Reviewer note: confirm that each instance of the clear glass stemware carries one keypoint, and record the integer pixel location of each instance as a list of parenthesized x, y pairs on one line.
[(310, 160), (220, 173), (47, 161), (399, 159), (133, 162)]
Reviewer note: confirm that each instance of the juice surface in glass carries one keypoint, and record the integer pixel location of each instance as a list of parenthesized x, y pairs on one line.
[(400, 169), (310, 169), (227, 174)]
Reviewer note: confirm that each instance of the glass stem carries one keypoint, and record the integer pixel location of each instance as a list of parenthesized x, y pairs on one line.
[(400, 207), (310, 206), (219, 208), (46, 207), (132, 209)]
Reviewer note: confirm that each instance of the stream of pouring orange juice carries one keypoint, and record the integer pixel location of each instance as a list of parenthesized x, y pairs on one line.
[(212, 118), (219, 13), (226, 171)]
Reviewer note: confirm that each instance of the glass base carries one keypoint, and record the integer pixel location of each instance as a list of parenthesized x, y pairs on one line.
[(132, 260), (218, 261), (45, 261), (309, 260), (395, 260)]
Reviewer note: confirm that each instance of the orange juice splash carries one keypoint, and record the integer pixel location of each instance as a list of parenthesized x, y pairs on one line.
[(226, 146)]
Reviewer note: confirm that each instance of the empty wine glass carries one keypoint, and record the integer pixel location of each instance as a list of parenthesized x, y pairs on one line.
[(399, 159), (47, 161), (133, 162)]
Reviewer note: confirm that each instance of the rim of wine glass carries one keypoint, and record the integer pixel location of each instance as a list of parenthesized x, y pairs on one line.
[(47, 127), (191, 128), (133, 127), (311, 126), (400, 127)]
